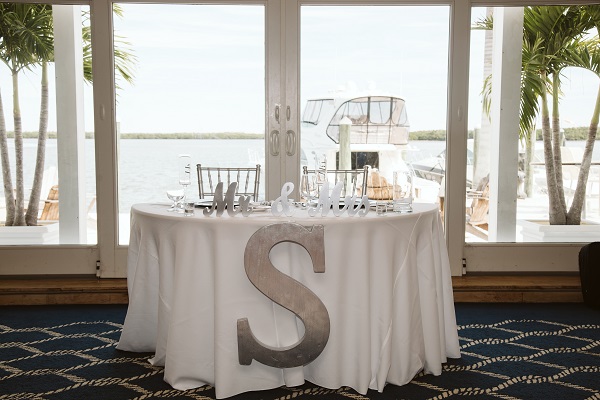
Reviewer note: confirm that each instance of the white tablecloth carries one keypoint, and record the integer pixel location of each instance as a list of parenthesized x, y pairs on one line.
[(386, 286)]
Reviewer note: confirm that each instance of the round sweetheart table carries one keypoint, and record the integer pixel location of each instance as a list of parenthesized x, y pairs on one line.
[(386, 287)]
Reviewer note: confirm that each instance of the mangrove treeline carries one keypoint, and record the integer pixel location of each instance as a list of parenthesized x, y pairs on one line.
[(579, 133)]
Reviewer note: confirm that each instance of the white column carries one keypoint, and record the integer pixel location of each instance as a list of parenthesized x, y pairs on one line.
[(68, 54), (481, 142), (506, 73)]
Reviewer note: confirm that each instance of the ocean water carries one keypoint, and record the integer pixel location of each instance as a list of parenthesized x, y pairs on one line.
[(148, 167)]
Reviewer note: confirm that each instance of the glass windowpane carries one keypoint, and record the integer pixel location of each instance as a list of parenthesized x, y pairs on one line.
[(199, 89), (65, 115), (388, 75)]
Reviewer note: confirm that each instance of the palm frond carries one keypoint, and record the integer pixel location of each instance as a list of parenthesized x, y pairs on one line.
[(27, 35), (124, 56), (484, 24), (532, 85)]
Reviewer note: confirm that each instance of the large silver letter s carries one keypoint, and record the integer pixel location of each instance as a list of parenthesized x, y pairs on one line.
[(287, 292)]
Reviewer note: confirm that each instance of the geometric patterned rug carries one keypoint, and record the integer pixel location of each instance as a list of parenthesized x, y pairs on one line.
[(509, 351)]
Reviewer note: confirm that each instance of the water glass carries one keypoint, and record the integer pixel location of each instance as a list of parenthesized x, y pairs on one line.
[(308, 188), (402, 197), (185, 171), (381, 208), (189, 208)]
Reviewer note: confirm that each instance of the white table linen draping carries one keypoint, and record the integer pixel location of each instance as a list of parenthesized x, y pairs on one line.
[(386, 286)]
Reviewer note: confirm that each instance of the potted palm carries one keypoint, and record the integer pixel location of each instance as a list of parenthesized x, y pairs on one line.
[(554, 38), (26, 42)]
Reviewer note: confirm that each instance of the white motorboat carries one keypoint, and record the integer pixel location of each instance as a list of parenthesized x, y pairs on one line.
[(378, 132), (378, 135), (434, 168)]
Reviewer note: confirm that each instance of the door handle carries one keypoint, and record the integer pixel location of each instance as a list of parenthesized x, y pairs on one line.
[(274, 143), (290, 143), (277, 113)]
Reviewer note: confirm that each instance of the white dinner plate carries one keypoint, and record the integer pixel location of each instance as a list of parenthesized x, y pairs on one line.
[(207, 203)]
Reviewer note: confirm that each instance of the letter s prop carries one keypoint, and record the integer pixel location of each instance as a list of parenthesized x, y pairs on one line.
[(287, 292)]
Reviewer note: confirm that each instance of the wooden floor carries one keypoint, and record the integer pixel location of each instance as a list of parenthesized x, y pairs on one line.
[(484, 289)]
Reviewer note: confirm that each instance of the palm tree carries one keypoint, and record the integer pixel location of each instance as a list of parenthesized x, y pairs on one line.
[(5, 26), (560, 30), (587, 56), (552, 41), (27, 40)]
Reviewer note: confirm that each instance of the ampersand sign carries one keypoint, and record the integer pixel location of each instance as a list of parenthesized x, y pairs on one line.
[(287, 292)]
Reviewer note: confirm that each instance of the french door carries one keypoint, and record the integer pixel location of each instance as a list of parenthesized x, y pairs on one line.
[(253, 67)]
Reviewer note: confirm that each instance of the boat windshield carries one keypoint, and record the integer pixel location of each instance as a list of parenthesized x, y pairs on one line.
[(375, 119), (312, 112)]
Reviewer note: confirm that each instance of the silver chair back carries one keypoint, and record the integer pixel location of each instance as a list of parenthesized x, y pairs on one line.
[(248, 180), (355, 180)]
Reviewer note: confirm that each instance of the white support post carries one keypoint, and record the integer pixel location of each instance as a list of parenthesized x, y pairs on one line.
[(68, 54), (506, 95), (345, 160), (482, 140)]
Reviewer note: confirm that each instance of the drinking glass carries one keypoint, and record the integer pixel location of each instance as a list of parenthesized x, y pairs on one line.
[(185, 169), (403, 191), (381, 208), (189, 208), (308, 188), (176, 196), (320, 169)]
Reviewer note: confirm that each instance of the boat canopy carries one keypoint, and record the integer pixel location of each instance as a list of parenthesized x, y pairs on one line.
[(375, 119)]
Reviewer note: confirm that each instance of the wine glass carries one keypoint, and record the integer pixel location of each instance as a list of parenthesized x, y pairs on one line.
[(308, 188), (176, 196), (185, 167)]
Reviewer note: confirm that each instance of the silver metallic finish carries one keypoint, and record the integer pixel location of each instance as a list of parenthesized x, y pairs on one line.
[(245, 207), (248, 179), (274, 142), (287, 292), (290, 143), (221, 204)]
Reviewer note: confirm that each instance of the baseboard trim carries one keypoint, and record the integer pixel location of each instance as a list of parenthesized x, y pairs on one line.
[(467, 289)]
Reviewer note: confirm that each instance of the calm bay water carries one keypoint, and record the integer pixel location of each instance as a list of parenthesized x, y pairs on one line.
[(148, 167)]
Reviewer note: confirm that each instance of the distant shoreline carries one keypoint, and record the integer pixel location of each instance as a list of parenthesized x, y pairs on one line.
[(579, 133)]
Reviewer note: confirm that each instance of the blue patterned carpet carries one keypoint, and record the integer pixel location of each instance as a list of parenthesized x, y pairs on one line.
[(509, 351)]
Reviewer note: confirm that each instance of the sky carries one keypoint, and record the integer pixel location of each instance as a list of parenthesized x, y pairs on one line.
[(201, 68)]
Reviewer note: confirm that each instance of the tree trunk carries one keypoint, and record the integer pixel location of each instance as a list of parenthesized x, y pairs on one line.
[(6, 176), (574, 214), (557, 142), (20, 198), (529, 157), (557, 215), (31, 217)]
